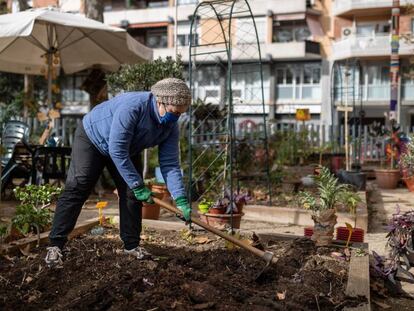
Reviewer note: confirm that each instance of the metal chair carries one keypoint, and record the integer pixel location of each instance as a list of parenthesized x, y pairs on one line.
[(13, 133)]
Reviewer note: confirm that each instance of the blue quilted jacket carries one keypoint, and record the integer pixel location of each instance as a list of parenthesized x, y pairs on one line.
[(125, 125)]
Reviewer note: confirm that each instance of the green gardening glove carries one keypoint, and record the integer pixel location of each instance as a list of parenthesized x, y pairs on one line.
[(184, 206), (142, 193)]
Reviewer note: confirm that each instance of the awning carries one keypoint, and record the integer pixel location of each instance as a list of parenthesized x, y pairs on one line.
[(149, 25), (314, 25)]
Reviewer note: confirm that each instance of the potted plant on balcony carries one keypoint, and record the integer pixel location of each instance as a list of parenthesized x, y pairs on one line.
[(407, 165), (322, 205), (387, 178)]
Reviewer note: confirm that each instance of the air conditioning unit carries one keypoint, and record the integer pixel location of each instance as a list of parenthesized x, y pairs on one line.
[(346, 32)]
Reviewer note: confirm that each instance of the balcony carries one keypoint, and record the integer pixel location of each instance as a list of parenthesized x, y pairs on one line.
[(162, 14), (277, 51), (368, 46), (375, 7), (379, 94)]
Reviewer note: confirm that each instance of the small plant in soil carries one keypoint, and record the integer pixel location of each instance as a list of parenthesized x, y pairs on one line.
[(351, 200), (33, 213), (400, 241), (322, 205), (3, 232)]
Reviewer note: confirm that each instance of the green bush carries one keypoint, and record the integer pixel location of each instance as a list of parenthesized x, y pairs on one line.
[(33, 214), (140, 77)]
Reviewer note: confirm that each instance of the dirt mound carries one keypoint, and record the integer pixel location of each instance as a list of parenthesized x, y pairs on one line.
[(186, 274)]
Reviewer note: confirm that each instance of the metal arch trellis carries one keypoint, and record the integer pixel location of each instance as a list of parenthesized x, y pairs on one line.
[(226, 80), (346, 81)]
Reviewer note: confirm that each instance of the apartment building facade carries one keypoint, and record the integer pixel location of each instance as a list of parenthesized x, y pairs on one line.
[(362, 32), (289, 34)]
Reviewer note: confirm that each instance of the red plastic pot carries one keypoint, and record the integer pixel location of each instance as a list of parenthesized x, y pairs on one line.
[(342, 234), (308, 231)]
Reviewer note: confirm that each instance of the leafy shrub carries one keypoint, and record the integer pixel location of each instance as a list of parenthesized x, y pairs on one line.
[(33, 214), (329, 192), (140, 77)]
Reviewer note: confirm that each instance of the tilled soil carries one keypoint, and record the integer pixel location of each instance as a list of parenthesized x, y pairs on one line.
[(186, 273)]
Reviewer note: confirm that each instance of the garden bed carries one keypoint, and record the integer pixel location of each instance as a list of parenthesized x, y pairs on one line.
[(302, 217), (188, 273)]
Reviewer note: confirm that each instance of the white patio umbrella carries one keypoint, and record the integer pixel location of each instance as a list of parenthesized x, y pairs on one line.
[(30, 41)]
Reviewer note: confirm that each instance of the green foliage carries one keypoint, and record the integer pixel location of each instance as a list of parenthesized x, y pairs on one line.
[(33, 214), (36, 195), (329, 193), (140, 77), (3, 231), (29, 219), (407, 158), (291, 146)]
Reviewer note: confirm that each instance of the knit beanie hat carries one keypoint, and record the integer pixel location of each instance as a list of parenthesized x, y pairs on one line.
[(172, 91)]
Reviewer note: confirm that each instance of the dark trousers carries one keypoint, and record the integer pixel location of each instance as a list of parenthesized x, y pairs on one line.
[(86, 166)]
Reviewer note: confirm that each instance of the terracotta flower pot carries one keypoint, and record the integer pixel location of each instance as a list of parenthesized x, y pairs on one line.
[(161, 192), (221, 220), (217, 211), (323, 230), (409, 182), (387, 178), (150, 211), (240, 207)]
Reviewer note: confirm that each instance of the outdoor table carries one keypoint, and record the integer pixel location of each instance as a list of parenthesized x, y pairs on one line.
[(51, 161)]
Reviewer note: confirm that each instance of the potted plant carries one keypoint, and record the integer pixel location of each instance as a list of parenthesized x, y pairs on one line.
[(407, 164), (322, 205), (225, 212), (387, 178), (350, 233)]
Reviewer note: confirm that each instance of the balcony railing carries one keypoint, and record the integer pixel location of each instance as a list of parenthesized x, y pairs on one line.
[(343, 6), (381, 92), (367, 46)]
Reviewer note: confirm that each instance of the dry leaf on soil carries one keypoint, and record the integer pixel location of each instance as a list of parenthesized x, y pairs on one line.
[(202, 239), (281, 296)]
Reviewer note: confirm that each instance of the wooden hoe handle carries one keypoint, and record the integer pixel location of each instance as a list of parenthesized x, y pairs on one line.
[(253, 250)]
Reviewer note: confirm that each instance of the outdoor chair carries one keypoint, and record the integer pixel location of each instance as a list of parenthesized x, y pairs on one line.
[(14, 132)]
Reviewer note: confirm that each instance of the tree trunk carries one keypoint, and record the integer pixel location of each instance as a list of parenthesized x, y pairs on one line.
[(23, 5), (94, 9)]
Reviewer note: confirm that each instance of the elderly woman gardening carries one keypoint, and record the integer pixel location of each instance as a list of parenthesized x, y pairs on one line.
[(113, 134)]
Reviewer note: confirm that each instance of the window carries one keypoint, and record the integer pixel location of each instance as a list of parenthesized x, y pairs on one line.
[(246, 83), (156, 38), (75, 100), (183, 33), (142, 4), (298, 82), (246, 32), (291, 31), (412, 25), (184, 2), (372, 28)]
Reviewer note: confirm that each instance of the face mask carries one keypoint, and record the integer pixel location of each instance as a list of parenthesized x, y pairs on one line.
[(169, 117)]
